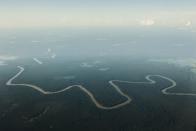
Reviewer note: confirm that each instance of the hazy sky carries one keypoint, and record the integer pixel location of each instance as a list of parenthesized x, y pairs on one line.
[(55, 13)]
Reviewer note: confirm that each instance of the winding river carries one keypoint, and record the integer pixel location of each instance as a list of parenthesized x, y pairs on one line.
[(111, 82)]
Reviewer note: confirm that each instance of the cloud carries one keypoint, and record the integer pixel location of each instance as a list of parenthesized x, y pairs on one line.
[(53, 56), (49, 50), (2, 63), (96, 62), (12, 42), (69, 77), (117, 45), (179, 45), (86, 65), (191, 62), (6, 57), (180, 62), (35, 41), (188, 23), (104, 69), (101, 39), (193, 70), (147, 22)]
